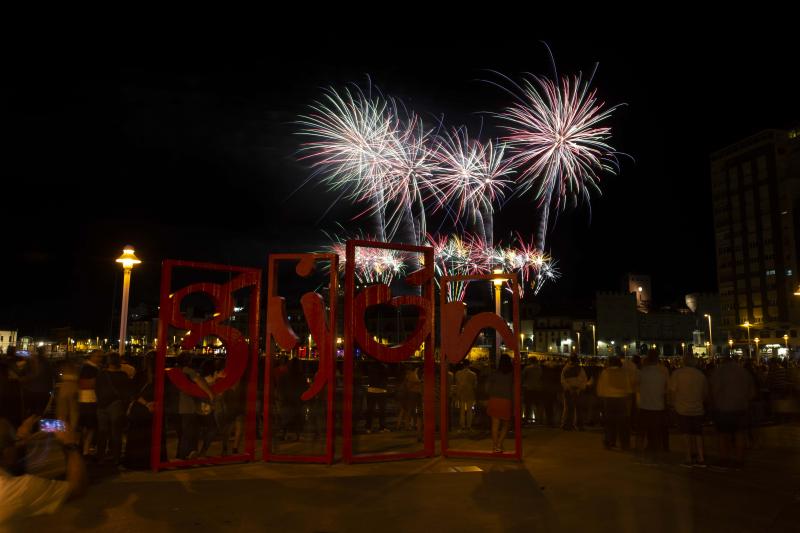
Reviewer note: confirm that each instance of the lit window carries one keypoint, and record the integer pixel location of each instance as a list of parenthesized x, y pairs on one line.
[(771, 272), (788, 271)]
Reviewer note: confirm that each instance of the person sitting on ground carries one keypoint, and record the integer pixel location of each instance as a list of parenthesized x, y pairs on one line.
[(26, 495)]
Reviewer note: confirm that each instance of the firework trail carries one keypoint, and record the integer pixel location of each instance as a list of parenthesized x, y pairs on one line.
[(558, 143), (372, 265), (469, 181), (368, 149)]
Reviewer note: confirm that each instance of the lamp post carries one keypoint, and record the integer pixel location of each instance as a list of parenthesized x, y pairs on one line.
[(749, 350), (757, 340), (683, 348), (710, 336), (498, 283), (730, 346), (578, 349), (128, 259), (786, 342), (594, 340)]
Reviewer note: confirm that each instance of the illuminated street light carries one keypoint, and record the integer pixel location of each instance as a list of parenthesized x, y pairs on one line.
[(710, 336), (747, 325), (757, 340), (497, 284), (786, 341), (128, 260)]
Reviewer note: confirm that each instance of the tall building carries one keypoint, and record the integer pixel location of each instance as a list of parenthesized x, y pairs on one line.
[(755, 186)]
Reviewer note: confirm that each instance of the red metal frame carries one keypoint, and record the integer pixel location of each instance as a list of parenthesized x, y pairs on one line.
[(456, 343), (324, 335), (240, 351), (354, 329)]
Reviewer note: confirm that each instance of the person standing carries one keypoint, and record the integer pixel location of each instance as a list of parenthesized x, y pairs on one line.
[(188, 408), (37, 383), (87, 398), (500, 388), (732, 389), (113, 396), (614, 389), (466, 383), (377, 393), (688, 390), (651, 392), (532, 392), (573, 381)]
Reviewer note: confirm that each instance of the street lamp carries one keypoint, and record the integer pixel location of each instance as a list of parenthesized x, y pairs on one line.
[(786, 341), (757, 340), (594, 339), (710, 336), (730, 346), (128, 260), (747, 325), (497, 284), (683, 348)]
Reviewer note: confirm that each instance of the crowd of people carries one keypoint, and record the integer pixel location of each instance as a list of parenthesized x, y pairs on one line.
[(107, 403), (642, 398)]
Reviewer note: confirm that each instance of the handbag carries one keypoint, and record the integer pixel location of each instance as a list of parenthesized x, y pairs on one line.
[(137, 411)]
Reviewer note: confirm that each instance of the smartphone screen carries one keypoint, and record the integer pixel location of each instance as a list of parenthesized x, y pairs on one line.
[(51, 425)]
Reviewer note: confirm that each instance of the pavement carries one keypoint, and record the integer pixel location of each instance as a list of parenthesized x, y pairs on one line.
[(566, 482)]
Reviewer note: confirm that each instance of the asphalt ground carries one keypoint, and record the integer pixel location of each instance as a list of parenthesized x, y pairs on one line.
[(566, 482)]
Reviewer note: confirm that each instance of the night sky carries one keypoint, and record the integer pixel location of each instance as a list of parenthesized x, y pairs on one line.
[(191, 153)]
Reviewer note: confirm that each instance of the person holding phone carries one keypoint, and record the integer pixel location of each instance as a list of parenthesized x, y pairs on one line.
[(26, 495)]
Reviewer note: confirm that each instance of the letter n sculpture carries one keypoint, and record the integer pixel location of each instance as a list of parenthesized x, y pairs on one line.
[(458, 336)]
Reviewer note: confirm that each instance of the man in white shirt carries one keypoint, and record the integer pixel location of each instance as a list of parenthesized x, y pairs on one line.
[(688, 389), (651, 393), (25, 496), (466, 383)]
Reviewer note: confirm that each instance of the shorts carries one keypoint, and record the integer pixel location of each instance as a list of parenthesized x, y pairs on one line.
[(499, 408), (730, 422), (690, 424)]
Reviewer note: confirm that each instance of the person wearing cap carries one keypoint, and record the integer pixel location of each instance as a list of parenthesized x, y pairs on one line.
[(26, 495)]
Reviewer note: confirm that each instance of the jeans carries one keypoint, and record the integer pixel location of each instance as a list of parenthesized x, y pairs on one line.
[(572, 415), (190, 431), (110, 425), (376, 400), (617, 422)]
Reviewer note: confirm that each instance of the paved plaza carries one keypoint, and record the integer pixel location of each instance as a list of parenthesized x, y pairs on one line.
[(566, 482)]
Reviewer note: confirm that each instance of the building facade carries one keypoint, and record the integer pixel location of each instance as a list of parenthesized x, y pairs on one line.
[(755, 186), (8, 337)]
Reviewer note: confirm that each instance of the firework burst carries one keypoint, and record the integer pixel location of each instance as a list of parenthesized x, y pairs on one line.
[(365, 147), (372, 265), (558, 142), (470, 179)]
